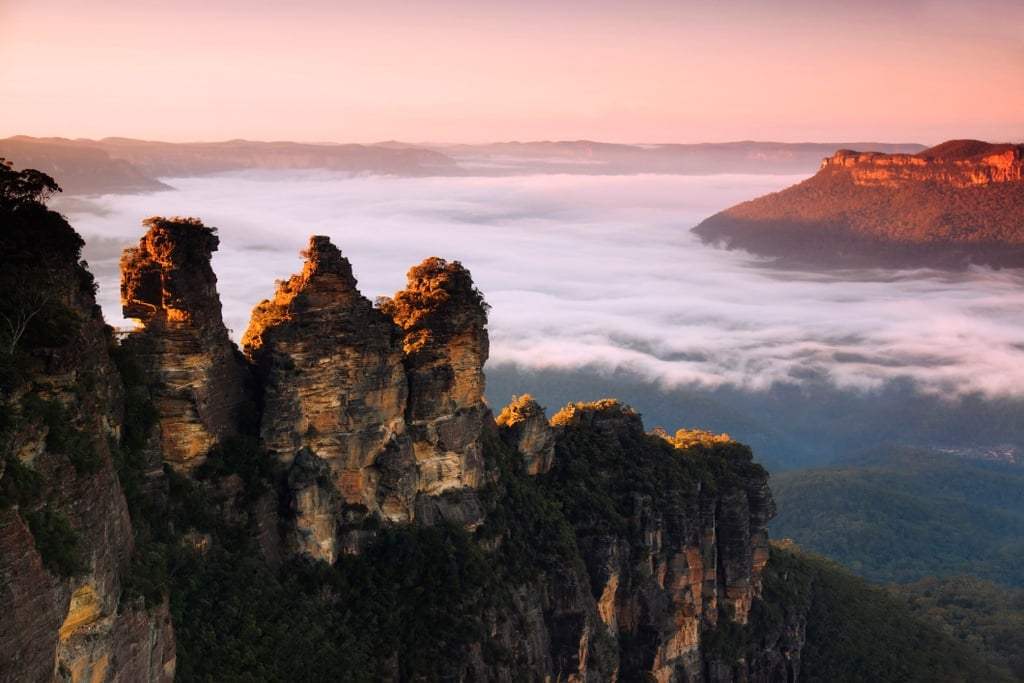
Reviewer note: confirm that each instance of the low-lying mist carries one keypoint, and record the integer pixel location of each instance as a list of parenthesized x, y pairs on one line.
[(600, 272)]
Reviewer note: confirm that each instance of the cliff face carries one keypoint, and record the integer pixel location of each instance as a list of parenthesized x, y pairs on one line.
[(445, 344), (199, 380), (681, 560), (958, 203), (523, 425), (958, 164), (66, 542)]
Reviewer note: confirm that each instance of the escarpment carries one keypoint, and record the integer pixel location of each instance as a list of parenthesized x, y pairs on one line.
[(66, 543), (199, 379), (951, 205), (674, 553)]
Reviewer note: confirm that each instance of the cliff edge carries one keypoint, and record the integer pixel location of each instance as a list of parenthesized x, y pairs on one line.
[(952, 205)]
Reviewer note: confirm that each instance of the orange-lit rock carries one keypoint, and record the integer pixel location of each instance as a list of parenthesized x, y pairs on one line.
[(167, 284), (949, 206)]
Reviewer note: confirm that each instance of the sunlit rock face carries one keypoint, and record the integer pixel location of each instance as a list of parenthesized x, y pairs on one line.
[(957, 204), (68, 620), (445, 342), (958, 163), (365, 419), (523, 425), (167, 284), (334, 390)]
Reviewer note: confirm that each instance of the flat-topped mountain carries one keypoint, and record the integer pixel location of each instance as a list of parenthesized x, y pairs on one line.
[(951, 205)]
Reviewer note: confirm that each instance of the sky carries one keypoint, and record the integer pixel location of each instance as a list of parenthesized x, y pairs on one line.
[(476, 71)]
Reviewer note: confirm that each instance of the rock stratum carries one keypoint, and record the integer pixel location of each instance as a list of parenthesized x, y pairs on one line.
[(952, 205), (341, 493)]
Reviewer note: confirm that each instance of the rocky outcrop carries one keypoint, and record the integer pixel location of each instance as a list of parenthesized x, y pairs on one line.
[(198, 377), (688, 556), (66, 541), (523, 425), (958, 203), (958, 164), (334, 389), (444, 319), (368, 418)]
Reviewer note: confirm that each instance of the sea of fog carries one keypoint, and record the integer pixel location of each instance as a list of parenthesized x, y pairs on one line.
[(595, 271)]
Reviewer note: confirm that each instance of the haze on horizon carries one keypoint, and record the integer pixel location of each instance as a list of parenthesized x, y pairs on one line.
[(461, 71)]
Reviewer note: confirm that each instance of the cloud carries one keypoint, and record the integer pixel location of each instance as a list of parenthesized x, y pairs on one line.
[(600, 272)]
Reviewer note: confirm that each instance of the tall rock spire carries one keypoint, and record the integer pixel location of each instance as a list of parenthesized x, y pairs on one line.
[(167, 284)]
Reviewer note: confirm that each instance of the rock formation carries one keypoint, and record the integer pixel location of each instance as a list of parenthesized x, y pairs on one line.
[(368, 418), (957, 163), (199, 379), (456, 546), (445, 345), (66, 541), (951, 205), (522, 424), (687, 558)]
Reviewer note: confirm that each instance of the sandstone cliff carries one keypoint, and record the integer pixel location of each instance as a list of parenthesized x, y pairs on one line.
[(198, 378), (366, 418), (66, 542), (958, 203), (676, 557)]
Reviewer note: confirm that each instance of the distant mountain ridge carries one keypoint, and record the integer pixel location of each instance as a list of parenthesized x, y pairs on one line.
[(122, 165), (951, 205)]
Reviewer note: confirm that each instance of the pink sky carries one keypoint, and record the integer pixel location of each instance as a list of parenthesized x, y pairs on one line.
[(477, 71)]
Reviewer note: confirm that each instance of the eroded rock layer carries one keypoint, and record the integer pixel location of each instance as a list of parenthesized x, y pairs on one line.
[(199, 387), (685, 550), (66, 540), (334, 398), (446, 345), (363, 419)]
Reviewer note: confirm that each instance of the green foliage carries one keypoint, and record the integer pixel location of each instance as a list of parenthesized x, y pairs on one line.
[(415, 600), (898, 515), (987, 618), (20, 485), (241, 455), (534, 531), (58, 544), (21, 188), (62, 437), (858, 633), (598, 478), (148, 579)]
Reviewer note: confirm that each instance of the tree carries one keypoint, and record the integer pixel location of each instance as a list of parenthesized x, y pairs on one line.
[(29, 186), (26, 305)]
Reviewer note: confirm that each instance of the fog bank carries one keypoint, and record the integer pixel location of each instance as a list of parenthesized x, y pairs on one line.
[(596, 271)]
